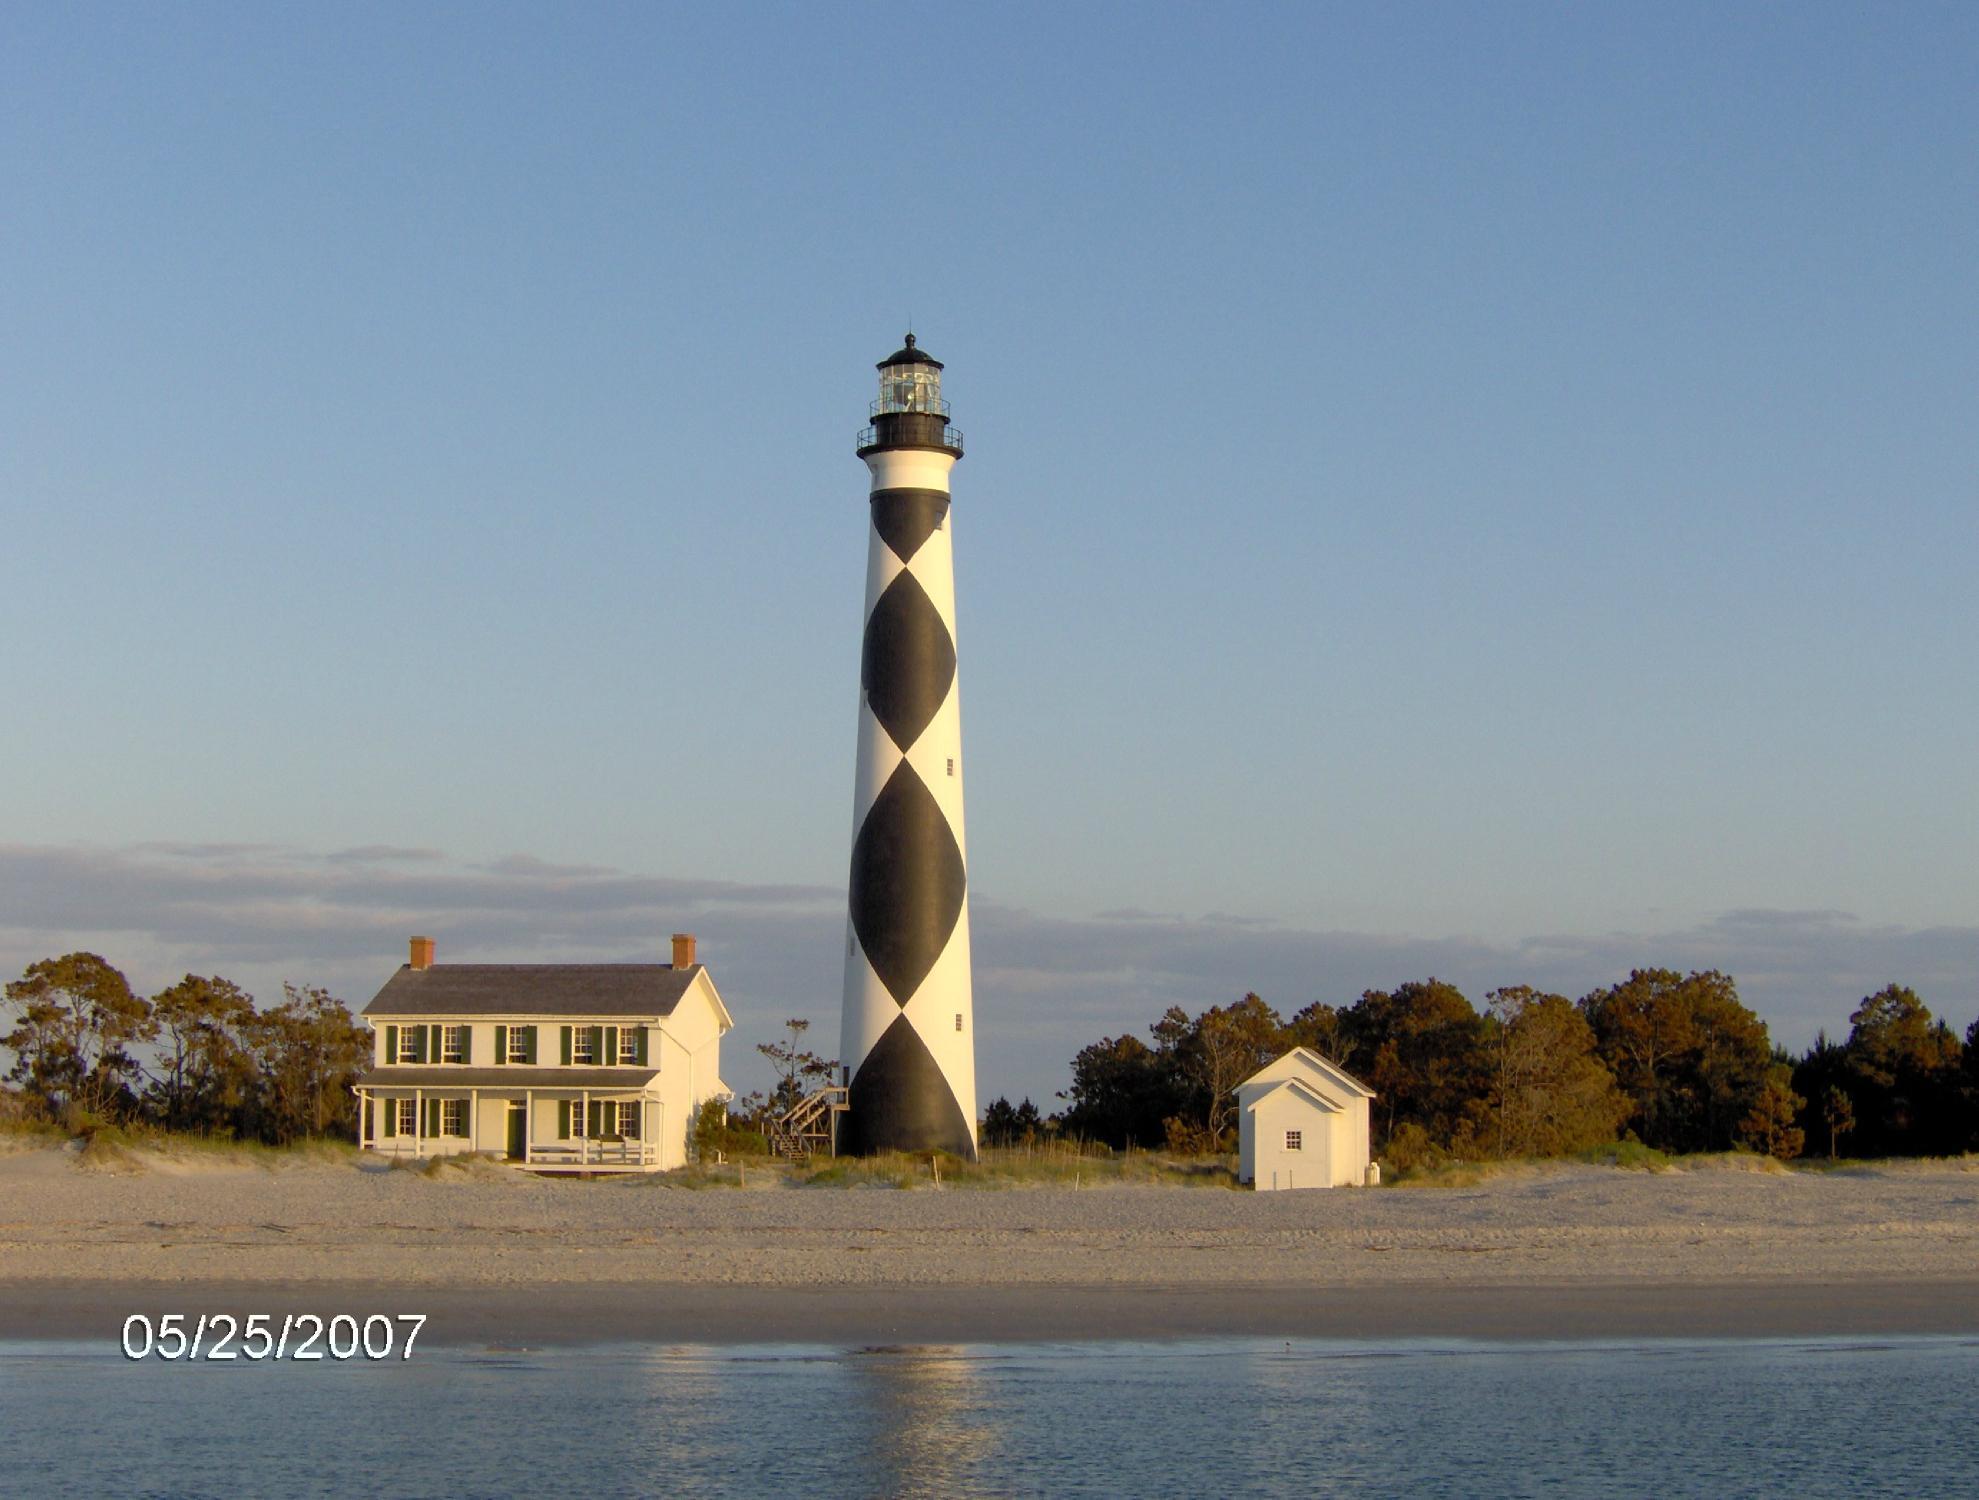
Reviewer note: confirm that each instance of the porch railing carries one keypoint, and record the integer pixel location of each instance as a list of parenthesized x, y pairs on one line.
[(603, 1152)]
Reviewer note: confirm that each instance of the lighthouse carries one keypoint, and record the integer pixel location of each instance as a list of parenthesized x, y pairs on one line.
[(908, 1044)]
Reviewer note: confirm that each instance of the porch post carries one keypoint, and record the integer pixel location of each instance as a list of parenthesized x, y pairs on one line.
[(363, 1119), (474, 1120), (528, 1122), (584, 1104), (419, 1122)]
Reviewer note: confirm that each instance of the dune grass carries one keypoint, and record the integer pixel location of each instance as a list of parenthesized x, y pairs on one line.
[(1075, 1165), (1059, 1164), (134, 1145)]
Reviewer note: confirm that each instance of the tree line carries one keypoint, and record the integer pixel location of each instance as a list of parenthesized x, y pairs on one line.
[(1674, 1061), (198, 1056)]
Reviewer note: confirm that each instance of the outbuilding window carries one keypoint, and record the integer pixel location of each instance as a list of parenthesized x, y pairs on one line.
[(1293, 1141)]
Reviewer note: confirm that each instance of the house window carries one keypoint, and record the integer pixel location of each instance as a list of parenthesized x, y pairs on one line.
[(453, 1046), (628, 1120), (1292, 1140), (576, 1108), (408, 1117), (518, 1043), (409, 1043), (584, 1044), (628, 1044), (453, 1117)]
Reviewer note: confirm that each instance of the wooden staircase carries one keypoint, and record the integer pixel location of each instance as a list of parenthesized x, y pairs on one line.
[(808, 1126)]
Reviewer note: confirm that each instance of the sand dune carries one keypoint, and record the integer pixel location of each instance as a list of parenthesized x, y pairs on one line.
[(192, 1221)]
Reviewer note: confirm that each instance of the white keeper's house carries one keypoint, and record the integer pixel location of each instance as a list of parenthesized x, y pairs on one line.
[(1302, 1123), (557, 1067)]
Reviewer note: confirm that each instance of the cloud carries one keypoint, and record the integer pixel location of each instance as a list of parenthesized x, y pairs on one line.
[(378, 854), (1045, 984)]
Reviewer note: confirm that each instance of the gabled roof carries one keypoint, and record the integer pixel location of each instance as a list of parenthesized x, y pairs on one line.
[(1298, 1088), (535, 990), (1307, 1065)]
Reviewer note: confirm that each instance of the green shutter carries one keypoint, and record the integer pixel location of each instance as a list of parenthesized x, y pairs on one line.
[(593, 1127), (566, 1046), (391, 1044), (640, 1037), (598, 1046), (529, 1036), (391, 1115), (432, 1119), (608, 1054), (466, 1043), (419, 1044), (501, 1045), (434, 1053), (563, 1118)]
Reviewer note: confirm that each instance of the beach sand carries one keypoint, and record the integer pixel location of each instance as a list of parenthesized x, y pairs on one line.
[(495, 1255)]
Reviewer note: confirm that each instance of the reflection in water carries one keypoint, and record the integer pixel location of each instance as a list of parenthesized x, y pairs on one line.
[(814, 1423), (933, 1425), (672, 1391)]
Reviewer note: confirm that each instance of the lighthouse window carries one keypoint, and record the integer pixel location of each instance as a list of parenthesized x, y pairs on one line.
[(958, 1020), (951, 765), (909, 388)]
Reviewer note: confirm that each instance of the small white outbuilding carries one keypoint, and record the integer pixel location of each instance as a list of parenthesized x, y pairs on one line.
[(1302, 1123)]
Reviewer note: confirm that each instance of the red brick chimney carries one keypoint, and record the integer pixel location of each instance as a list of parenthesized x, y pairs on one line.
[(683, 950), (422, 953)]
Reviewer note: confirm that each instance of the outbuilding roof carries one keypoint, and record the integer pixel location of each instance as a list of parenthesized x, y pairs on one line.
[(1297, 1087), (1312, 1069), (533, 990)]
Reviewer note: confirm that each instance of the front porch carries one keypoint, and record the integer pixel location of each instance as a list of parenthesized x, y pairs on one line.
[(549, 1130)]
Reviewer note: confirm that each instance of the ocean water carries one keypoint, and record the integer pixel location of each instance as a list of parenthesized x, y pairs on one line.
[(1799, 1418)]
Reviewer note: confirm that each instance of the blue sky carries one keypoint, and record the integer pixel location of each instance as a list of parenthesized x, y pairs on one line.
[(1448, 487)]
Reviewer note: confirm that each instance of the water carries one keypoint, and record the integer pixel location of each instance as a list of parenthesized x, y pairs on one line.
[(1837, 1417)]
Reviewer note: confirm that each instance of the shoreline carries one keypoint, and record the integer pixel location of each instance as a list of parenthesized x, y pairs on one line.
[(594, 1313), (496, 1257)]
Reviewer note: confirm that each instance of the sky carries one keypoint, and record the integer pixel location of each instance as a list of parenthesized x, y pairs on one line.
[(1483, 491)]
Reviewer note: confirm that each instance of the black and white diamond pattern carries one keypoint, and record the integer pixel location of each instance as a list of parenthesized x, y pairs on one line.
[(907, 951)]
